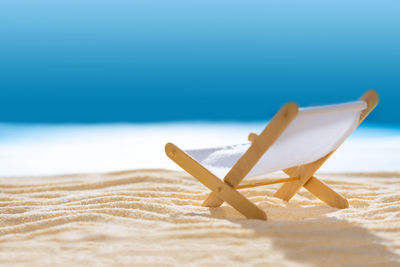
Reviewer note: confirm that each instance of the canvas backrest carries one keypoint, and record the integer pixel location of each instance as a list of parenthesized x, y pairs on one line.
[(314, 133)]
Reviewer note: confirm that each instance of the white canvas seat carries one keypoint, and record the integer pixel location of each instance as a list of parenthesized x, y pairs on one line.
[(296, 140), (312, 134)]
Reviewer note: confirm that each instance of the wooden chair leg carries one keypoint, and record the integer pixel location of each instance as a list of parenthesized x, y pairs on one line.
[(212, 201), (325, 193), (221, 189), (311, 183), (288, 190), (304, 172)]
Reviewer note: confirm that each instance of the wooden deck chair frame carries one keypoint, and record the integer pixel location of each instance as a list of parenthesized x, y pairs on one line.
[(299, 176)]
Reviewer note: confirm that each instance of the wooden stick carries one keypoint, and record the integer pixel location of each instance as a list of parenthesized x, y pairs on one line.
[(261, 183), (325, 193), (220, 188), (259, 146)]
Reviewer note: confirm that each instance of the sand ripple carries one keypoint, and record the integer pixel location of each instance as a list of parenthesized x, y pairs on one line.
[(154, 217)]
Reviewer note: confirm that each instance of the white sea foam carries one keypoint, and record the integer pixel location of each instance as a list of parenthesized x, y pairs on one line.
[(46, 150)]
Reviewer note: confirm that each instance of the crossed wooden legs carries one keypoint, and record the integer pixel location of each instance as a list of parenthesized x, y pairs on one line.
[(289, 189), (221, 189), (225, 192), (311, 183)]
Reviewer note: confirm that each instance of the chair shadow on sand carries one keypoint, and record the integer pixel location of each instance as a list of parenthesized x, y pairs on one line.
[(317, 239)]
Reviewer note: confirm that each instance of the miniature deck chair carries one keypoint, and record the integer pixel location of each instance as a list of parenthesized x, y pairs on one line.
[(297, 141)]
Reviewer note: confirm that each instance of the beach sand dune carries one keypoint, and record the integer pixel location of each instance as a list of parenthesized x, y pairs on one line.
[(155, 217)]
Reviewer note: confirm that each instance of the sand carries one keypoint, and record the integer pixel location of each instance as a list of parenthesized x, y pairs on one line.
[(154, 217)]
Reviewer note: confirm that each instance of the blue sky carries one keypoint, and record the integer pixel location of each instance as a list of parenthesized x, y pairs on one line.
[(147, 61)]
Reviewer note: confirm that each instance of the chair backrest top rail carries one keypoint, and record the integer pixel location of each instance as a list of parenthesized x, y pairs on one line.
[(348, 106)]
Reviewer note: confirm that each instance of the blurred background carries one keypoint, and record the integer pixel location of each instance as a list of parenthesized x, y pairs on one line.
[(222, 63), (152, 61)]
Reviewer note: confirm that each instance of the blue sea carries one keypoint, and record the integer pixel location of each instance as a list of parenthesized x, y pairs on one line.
[(161, 61)]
